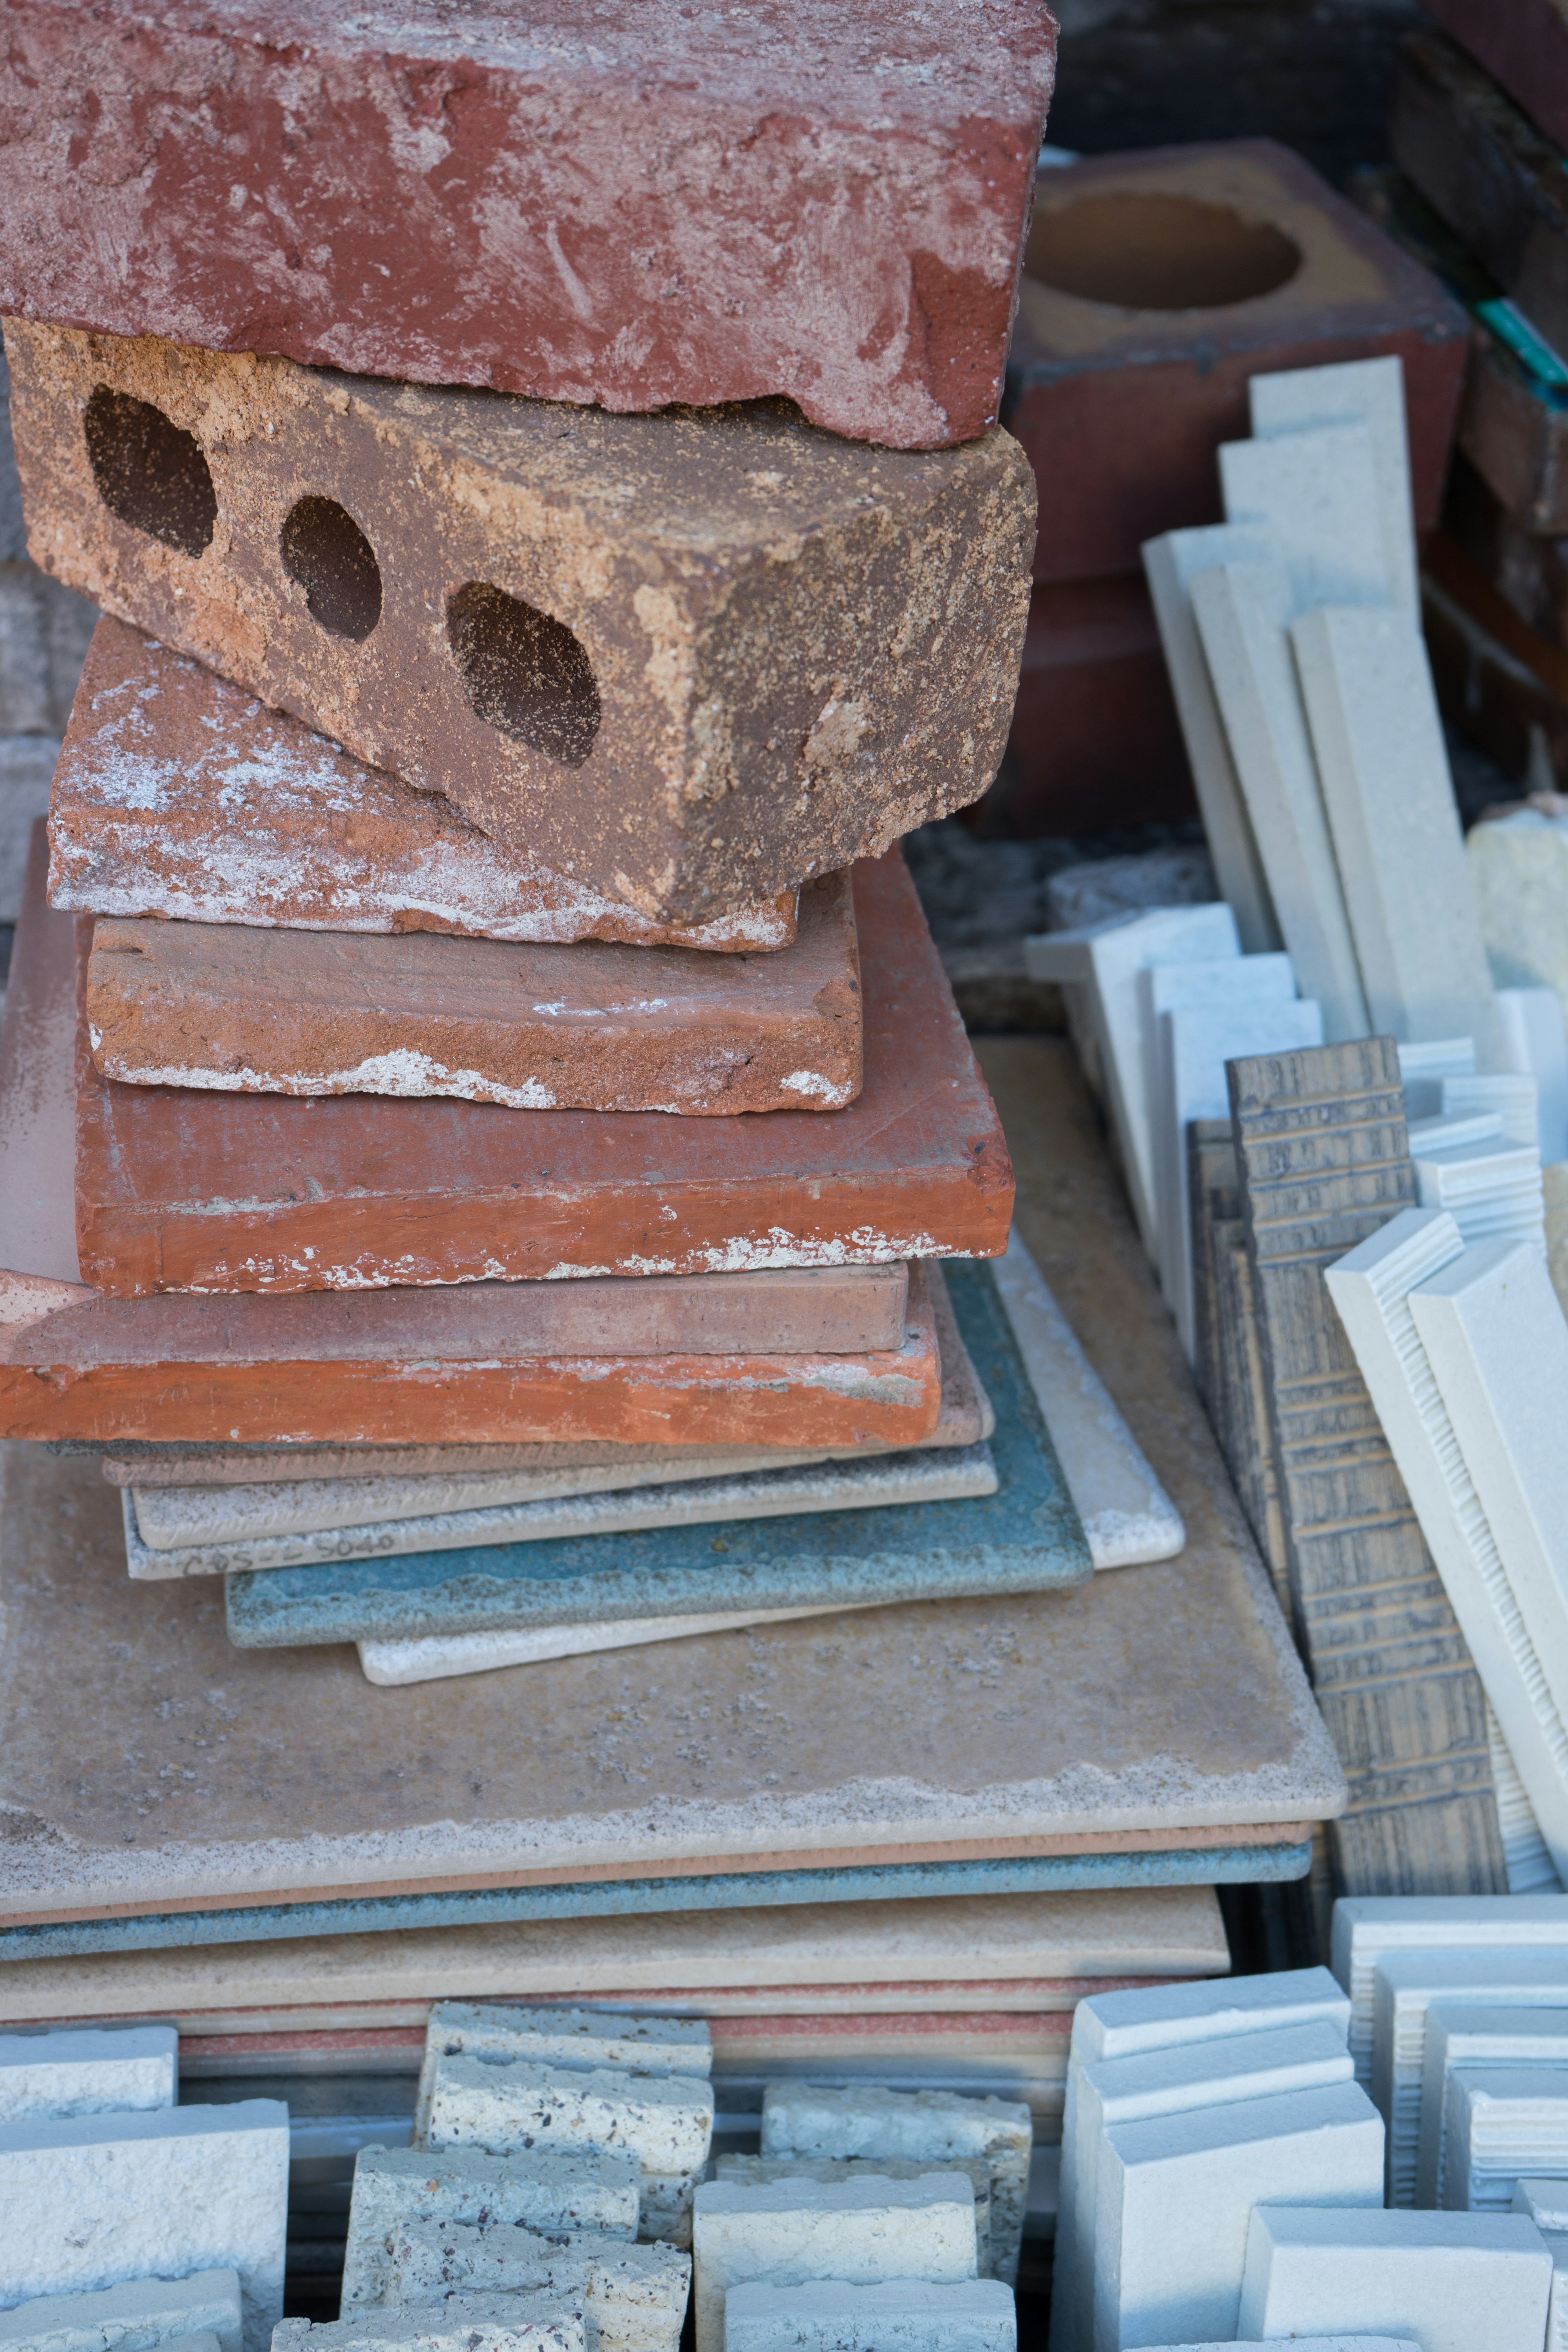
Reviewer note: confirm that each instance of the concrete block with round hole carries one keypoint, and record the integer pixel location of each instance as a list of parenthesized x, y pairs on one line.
[(687, 660)]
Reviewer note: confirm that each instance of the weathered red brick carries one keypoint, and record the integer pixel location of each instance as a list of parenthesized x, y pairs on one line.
[(584, 1027), (183, 1191), (178, 795), (688, 660), (1121, 404), (629, 205)]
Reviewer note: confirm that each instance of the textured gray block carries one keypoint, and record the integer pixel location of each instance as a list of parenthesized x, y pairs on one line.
[(632, 2297), (858, 2168), (540, 2189), (512, 2323), (787, 2234), (88, 2071), (91, 2201), (800, 2119), (146, 2316), (897, 2315), (576, 2038)]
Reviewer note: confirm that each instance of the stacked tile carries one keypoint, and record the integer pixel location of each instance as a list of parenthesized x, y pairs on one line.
[(134, 2221), (464, 737)]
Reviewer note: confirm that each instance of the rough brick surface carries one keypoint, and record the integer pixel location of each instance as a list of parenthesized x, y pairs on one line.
[(687, 661), (629, 205), (183, 1191), (1121, 404), (179, 794), (1524, 45), (634, 2297), (585, 1027)]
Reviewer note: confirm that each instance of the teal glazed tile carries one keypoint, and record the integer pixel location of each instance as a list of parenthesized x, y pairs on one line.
[(1026, 1537), (499, 1906)]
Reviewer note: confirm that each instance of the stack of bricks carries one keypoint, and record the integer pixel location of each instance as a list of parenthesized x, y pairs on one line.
[(477, 992)]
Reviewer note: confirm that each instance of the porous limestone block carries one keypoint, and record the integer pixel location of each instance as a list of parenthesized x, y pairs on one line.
[(1315, 491), (146, 2315), (1175, 2081), (1404, 1985), (664, 2121), (731, 2167), (86, 2071), (1543, 2200), (1366, 391), (93, 2200), (1170, 563), (1498, 2121), (632, 2297), (1462, 2038), (538, 2188), (688, 661), (1125, 2026), (806, 2119), (559, 2037), (1175, 2194), (204, 2340), (1243, 612), (1452, 2281), (897, 2315), (787, 2234), (1196, 1041), (466, 2324), (1383, 768)]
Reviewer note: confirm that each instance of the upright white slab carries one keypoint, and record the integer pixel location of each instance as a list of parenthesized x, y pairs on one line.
[(1404, 1985), (1383, 767), (1196, 1041), (1351, 392), (1500, 2122), (1243, 612), (536, 2188), (1535, 1040), (1170, 563), (1454, 2282), (1543, 2199), (88, 2070), (1127, 1515), (1234, 981), (900, 2316), (93, 2200), (1115, 955), (1174, 2196), (1460, 2038), (1174, 2082), (1315, 492), (1424, 1064), (558, 2037), (1557, 2317), (142, 2316), (1365, 1928), (1161, 2017), (1370, 1289), (1497, 1341), (786, 2234), (1512, 1094)]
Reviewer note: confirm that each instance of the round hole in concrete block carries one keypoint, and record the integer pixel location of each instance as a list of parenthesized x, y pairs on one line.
[(149, 471), (524, 672), (325, 550), (1144, 251)]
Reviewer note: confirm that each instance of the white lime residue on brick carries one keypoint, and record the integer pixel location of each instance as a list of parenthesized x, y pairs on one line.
[(577, 2038), (86, 2071), (886, 2168), (900, 2316), (541, 2190), (92, 2200), (800, 2119), (632, 2297), (864, 2232), (146, 2315)]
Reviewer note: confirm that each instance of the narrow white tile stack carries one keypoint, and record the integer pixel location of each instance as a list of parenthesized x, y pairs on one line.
[(1501, 2124), (582, 2081), (128, 2219), (1461, 2038), (1184, 2105)]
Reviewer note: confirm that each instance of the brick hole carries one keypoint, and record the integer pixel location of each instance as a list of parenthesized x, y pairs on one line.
[(325, 550), (1154, 252), (149, 472), (524, 672)]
